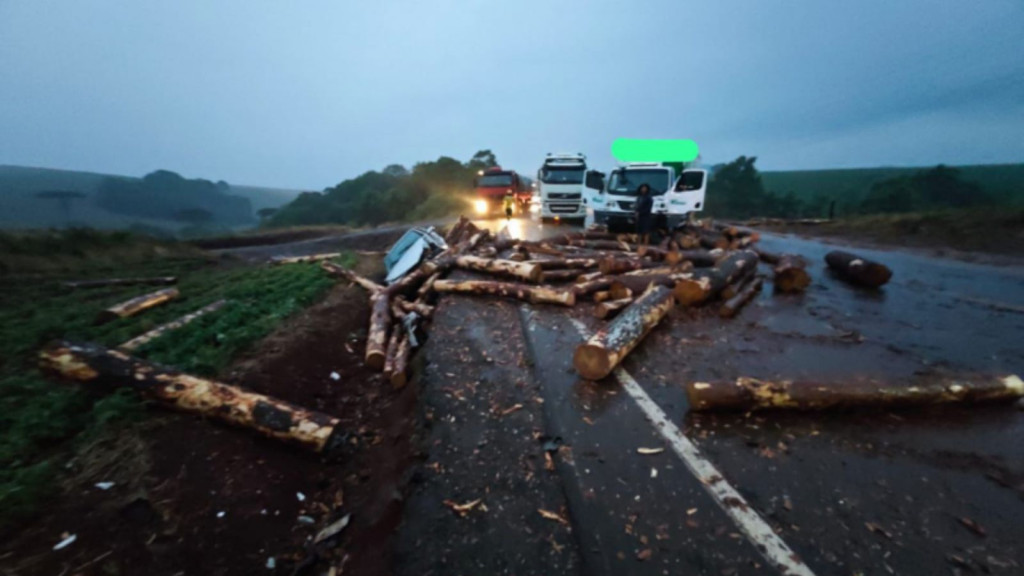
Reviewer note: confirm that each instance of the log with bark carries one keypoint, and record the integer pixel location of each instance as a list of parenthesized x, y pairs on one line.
[(377, 336), (857, 270), (159, 331), (137, 304), (591, 286), (560, 276), (750, 288), (156, 281), (602, 352), (705, 283), (341, 272), (301, 259), (621, 264), (923, 389), (392, 350), (602, 296), (638, 283), (268, 416), (455, 232), (790, 274), (737, 284), (418, 307), (608, 308), (509, 268), (566, 263), (400, 369), (613, 245), (534, 294)]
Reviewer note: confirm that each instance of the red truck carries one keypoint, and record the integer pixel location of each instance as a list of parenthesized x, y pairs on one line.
[(490, 187)]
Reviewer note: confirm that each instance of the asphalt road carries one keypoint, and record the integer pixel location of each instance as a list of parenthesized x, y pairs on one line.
[(932, 491)]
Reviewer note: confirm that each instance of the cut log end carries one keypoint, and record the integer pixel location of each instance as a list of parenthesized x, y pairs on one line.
[(592, 362)]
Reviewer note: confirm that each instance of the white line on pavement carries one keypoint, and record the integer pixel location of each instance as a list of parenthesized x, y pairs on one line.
[(749, 522)]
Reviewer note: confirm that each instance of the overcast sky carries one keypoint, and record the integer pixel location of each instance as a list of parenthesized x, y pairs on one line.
[(305, 94)]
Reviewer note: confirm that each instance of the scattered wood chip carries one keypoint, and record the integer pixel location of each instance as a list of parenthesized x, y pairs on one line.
[(462, 509), (332, 529), (553, 516), (973, 526), (649, 451), (511, 409), (877, 529), (644, 554)]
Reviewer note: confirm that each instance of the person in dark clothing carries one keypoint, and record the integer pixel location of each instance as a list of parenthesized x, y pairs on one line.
[(644, 218)]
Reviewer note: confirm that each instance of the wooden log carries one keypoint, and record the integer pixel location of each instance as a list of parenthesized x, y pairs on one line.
[(341, 272), (560, 275), (767, 257), (625, 285), (791, 274), (420, 308), (614, 245), (602, 352), (456, 230), (750, 288), (399, 375), (428, 286), (591, 286), (705, 283), (602, 296), (389, 357), (137, 305), (737, 284), (702, 258), (377, 336), (619, 290), (518, 270), (487, 252), (608, 308), (159, 331), (710, 240), (300, 259), (534, 294), (155, 281), (857, 270), (566, 263), (620, 264), (684, 266), (269, 416), (588, 277), (923, 389)]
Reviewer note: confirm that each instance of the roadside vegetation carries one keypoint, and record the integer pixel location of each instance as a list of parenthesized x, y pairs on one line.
[(394, 194), (42, 421)]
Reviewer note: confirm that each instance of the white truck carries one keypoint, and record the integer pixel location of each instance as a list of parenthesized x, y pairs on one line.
[(676, 196), (560, 183)]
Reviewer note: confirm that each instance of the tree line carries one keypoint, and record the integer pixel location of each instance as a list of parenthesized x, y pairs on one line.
[(736, 190), (396, 193)]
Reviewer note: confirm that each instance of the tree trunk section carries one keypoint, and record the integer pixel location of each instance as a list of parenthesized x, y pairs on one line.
[(534, 294), (300, 259), (341, 272), (753, 394), (136, 305), (268, 416), (591, 286), (399, 375), (377, 336), (857, 270), (608, 308), (159, 331), (750, 288), (598, 356), (791, 274), (705, 283), (510, 268)]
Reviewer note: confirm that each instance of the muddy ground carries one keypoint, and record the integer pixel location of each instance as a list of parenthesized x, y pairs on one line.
[(194, 497)]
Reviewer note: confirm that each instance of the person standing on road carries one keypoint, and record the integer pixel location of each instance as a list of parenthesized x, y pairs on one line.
[(508, 203), (644, 208)]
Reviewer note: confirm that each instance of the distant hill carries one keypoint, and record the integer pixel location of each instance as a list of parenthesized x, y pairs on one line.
[(228, 205), (1005, 182)]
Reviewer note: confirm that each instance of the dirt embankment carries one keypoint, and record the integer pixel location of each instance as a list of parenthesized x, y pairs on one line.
[(194, 497)]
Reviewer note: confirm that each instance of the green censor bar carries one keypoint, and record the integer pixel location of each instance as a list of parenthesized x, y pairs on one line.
[(643, 150)]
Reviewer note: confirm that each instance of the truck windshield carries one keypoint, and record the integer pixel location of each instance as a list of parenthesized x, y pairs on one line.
[(562, 174), (495, 180), (626, 182)]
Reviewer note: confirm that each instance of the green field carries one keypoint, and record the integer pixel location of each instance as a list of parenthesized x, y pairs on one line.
[(1005, 182), (42, 421)]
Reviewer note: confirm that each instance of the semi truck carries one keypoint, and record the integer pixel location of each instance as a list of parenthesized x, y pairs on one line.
[(490, 187), (676, 195), (560, 184)]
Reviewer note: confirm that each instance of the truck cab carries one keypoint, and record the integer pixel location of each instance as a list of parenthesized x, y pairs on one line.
[(490, 187), (676, 196), (560, 184)]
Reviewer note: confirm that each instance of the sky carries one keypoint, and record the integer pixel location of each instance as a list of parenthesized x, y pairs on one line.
[(305, 94)]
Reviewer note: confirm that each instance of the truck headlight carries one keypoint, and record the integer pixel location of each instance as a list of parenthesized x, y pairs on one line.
[(480, 206)]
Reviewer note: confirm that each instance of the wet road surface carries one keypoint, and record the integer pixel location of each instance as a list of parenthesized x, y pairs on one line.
[(932, 491)]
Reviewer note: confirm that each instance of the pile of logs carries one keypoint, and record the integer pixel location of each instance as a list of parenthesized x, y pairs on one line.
[(631, 285)]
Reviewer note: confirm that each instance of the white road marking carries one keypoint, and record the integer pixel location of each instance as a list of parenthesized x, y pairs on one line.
[(757, 531)]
